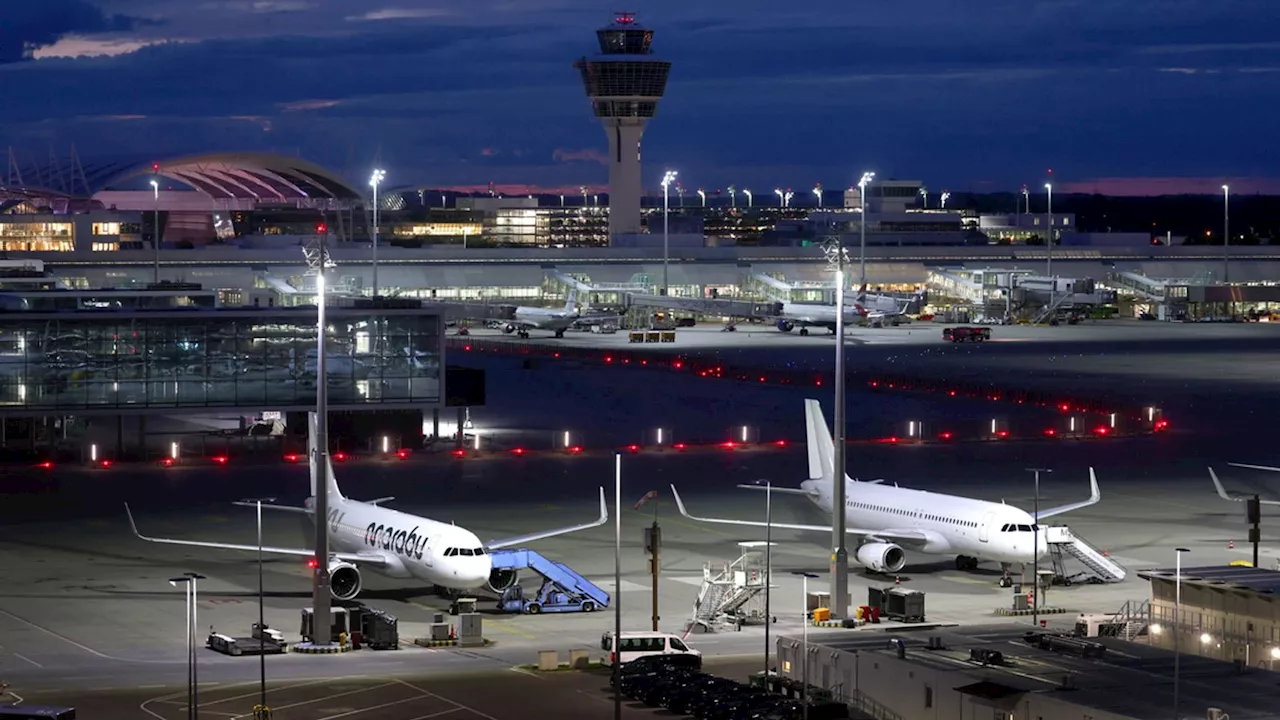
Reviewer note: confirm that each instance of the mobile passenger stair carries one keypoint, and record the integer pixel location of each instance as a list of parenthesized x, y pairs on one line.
[(1062, 542), (731, 593), (562, 590)]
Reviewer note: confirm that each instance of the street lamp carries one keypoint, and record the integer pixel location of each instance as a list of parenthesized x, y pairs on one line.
[(680, 192), (733, 198), (193, 679), (1026, 195), (583, 189), (667, 178), (1049, 257), (804, 662), (837, 258), (561, 199), (375, 181), (155, 243), (945, 197), (1226, 233), (702, 195), (262, 623), (778, 192), (1177, 625), (867, 177), (817, 192), (748, 194), (924, 193), (786, 199), (1035, 550), (617, 586)]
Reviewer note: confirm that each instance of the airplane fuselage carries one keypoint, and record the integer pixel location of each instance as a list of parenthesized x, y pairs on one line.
[(955, 525), (411, 546)]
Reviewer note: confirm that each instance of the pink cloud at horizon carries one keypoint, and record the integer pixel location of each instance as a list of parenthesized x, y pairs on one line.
[(1153, 186)]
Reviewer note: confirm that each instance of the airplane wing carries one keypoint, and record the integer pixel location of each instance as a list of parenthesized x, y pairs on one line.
[(376, 560), (782, 490), (1222, 492), (1268, 468), (272, 506), (1095, 495), (522, 539), (909, 536)]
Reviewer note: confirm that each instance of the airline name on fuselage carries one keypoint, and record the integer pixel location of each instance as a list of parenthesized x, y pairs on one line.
[(384, 537)]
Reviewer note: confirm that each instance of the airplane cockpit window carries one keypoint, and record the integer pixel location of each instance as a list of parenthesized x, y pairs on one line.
[(1006, 528), (478, 552), (450, 552), (465, 552)]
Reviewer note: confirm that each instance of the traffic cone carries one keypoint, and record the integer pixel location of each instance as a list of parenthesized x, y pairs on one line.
[(1231, 544), (897, 580)]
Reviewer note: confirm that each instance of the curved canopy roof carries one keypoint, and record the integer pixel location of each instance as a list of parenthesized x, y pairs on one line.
[(248, 176)]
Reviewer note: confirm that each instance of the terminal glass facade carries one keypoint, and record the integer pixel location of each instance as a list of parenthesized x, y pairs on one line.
[(241, 358)]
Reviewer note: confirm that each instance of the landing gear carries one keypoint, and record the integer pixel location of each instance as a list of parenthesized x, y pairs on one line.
[(1005, 579), (560, 333), (964, 562), (524, 334), (804, 331)]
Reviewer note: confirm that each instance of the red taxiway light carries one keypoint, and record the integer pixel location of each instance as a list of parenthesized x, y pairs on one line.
[(679, 446), (219, 459), (166, 462), (104, 463), (1064, 407), (677, 365), (1102, 429), (945, 436), (952, 393), (1162, 424), (780, 443), (311, 563), (575, 449), (633, 448), (728, 444), (340, 456), (1050, 432), (644, 362), (517, 451), (608, 358), (47, 465), (818, 382), (458, 453), (293, 458), (467, 348), (402, 454), (1002, 434)]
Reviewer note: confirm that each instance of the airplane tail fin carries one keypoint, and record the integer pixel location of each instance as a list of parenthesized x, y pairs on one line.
[(313, 430), (822, 451), (571, 303)]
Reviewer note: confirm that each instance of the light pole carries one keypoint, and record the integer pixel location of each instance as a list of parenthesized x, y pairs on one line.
[(786, 199), (193, 678), (817, 192), (733, 197), (924, 198), (804, 662), (778, 192), (680, 192), (1177, 626), (321, 619), (748, 194), (1026, 195), (374, 181), (667, 178), (1035, 550), (867, 177), (944, 198), (1226, 233), (837, 258), (1049, 244), (262, 623), (561, 200), (702, 195), (155, 243), (617, 586)]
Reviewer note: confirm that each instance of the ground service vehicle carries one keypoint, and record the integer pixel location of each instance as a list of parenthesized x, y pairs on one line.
[(971, 334), (636, 645)]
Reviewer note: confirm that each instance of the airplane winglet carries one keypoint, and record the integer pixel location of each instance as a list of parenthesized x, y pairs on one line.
[(604, 508), (1217, 484), (132, 524), (680, 503), (1268, 468), (1095, 494)]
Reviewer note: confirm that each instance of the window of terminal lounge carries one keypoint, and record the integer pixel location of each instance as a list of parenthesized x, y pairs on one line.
[(37, 237)]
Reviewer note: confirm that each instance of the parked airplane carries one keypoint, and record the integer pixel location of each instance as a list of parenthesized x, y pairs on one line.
[(367, 536), (886, 517), (556, 320), (807, 315), (1222, 492), (878, 309)]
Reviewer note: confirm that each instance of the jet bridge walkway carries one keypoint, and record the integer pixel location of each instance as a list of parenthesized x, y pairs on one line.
[(715, 307), (1062, 541), (563, 589)]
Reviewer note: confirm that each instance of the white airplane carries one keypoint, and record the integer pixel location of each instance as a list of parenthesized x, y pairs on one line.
[(879, 308), (886, 517), (556, 320), (367, 536), (1222, 492), (807, 315)]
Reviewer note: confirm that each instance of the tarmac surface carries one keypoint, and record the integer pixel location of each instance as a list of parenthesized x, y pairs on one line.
[(86, 609)]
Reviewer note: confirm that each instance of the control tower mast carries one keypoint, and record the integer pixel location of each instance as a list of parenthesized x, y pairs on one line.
[(625, 82)]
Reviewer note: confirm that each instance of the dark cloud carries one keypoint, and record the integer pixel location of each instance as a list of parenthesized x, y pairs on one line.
[(29, 24), (758, 97)]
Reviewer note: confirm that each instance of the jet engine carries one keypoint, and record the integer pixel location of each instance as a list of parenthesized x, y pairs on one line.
[(344, 580), (501, 578), (786, 325), (508, 329), (882, 557)]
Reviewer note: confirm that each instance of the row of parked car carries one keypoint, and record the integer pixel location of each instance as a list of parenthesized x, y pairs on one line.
[(677, 683)]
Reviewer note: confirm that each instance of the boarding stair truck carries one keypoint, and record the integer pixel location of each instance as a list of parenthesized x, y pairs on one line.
[(1062, 542), (731, 593), (562, 590)]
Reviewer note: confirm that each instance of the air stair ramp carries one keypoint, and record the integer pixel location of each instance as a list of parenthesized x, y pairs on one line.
[(732, 593), (1132, 621), (1064, 542), (572, 592)]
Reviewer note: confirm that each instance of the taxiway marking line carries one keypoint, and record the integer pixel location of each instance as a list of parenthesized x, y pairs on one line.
[(24, 657), (504, 628), (402, 701), (437, 714), (256, 692), (460, 706), (322, 698)]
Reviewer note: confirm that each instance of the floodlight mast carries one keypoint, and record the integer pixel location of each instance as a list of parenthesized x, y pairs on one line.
[(836, 254), (318, 261)]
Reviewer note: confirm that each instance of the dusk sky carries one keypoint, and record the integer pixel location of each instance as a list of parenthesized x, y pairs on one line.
[(1122, 96)]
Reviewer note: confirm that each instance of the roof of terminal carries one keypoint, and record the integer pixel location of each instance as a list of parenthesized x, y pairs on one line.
[(1217, 577), (1132, 679)]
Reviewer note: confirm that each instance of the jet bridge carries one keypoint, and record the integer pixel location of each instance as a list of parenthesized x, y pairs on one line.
[(716, 307)]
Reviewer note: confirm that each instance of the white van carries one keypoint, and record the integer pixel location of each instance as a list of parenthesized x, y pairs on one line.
[(639, 644)]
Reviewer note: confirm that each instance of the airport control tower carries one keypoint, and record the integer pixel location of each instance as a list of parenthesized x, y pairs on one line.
[(624, 83)]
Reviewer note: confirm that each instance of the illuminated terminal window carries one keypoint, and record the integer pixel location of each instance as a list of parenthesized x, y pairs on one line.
[(37, 237), (105, 246), (439, 230), (106, 228)]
